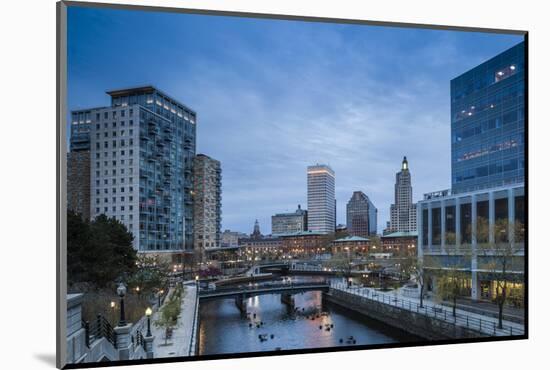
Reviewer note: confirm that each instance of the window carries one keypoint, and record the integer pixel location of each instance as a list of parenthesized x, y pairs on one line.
[(122, 113), (106, 115), (466, 223)]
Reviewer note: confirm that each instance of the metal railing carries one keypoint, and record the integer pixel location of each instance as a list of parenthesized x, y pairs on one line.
[(97, 329), (252, 287), (484, 326), (194, 325)]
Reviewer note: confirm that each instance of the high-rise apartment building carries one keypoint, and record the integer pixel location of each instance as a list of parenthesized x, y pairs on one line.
[(286, 223), (403, 211), (361, 215), (487, 123), (321, 201), (141, 156), (207, 204)]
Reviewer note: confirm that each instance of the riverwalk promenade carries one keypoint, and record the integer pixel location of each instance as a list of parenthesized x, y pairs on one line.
[(484, 324), (182, 342)]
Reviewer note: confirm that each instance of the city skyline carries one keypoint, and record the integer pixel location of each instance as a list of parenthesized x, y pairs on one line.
[(265, 124)]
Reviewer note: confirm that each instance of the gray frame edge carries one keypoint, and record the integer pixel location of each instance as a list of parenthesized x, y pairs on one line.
[(61, 189)]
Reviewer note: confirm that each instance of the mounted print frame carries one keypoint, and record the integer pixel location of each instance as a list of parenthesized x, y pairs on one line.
[(238, 184)]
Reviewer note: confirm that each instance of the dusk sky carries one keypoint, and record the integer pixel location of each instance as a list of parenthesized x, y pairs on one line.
[(274, 96)]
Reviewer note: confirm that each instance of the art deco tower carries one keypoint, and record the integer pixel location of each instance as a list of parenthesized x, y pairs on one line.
[(403, 211)]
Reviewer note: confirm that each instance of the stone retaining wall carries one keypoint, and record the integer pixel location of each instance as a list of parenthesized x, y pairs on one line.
[(418, 324)]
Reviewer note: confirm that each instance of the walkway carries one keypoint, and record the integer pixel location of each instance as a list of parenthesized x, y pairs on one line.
[(485, 324), (180, 343)]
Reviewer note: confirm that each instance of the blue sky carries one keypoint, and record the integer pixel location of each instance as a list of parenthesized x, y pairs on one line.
[(273, 96)]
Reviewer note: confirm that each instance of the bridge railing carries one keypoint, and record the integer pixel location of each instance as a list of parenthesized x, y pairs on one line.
[(474, 322), (258, 286)]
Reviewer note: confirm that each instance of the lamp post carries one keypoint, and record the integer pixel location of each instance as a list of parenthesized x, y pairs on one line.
[(121, 291), (197, 281), (148, 313), (161, 292)]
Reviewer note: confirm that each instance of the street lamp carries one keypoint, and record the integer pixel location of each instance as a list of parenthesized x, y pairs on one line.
[(121, 291), (161, 292), (197, 280), (148, 313)]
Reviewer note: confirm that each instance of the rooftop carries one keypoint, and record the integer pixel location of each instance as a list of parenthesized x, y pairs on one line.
[(401, 234), (351, 239), (300, 233)]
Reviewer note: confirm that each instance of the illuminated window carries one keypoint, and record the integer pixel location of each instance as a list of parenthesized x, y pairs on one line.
[(505, 73)]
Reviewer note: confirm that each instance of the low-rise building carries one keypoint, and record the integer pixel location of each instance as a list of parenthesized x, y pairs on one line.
[(351, 244), (305, 243), (400, 242)]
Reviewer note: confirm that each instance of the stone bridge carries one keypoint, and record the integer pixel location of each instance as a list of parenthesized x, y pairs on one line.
[(241, 293)]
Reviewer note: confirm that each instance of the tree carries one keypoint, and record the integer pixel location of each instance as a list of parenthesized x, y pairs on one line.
[(415, 267), (98, 252), (151, 275), (342, 263), (499, 256), (169, 312), (449, 270)]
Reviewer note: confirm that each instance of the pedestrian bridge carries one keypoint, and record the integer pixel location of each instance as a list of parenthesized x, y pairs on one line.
[(251, 290)]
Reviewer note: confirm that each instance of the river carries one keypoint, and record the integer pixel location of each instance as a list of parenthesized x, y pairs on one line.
[(313, 324)]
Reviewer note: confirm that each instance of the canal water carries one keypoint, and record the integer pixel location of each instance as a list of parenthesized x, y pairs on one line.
[(271, 325)]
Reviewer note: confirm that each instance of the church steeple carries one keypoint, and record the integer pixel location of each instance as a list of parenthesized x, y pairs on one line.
[(256, 234), (405, 164)]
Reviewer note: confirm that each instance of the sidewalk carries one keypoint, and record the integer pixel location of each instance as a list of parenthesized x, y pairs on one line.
[(179, 344), (485, 324)]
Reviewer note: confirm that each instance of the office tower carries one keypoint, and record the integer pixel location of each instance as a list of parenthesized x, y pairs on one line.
[(403, 211), (487, 145), (361, 215), (207, 207), (286, 223), (141, 155), (487, 123), (320, 199)]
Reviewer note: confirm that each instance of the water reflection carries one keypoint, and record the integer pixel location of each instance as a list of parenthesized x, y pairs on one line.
[(271, 325)]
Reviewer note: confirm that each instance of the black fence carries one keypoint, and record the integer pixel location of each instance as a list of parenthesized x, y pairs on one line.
[(97, 329), (473, 322)]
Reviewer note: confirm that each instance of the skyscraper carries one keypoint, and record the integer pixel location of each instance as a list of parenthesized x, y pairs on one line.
[(403, 211), (321, 201), (285, 223), (487, 123), (361, 215), (207, 207), (141, 153)]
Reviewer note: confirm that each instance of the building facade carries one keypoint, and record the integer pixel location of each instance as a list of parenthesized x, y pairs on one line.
[(321, 202), (305, 243), (78, 182), (141, 156), (400, 243), (207, 204), (284, 223), (487, 127), (482, 219), (361, 215), (230, 239), (403, 211), (355, 245)]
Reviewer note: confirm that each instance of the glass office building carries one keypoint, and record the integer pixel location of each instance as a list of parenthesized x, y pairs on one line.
[(487, 123), (361, 215), (486, 205)]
